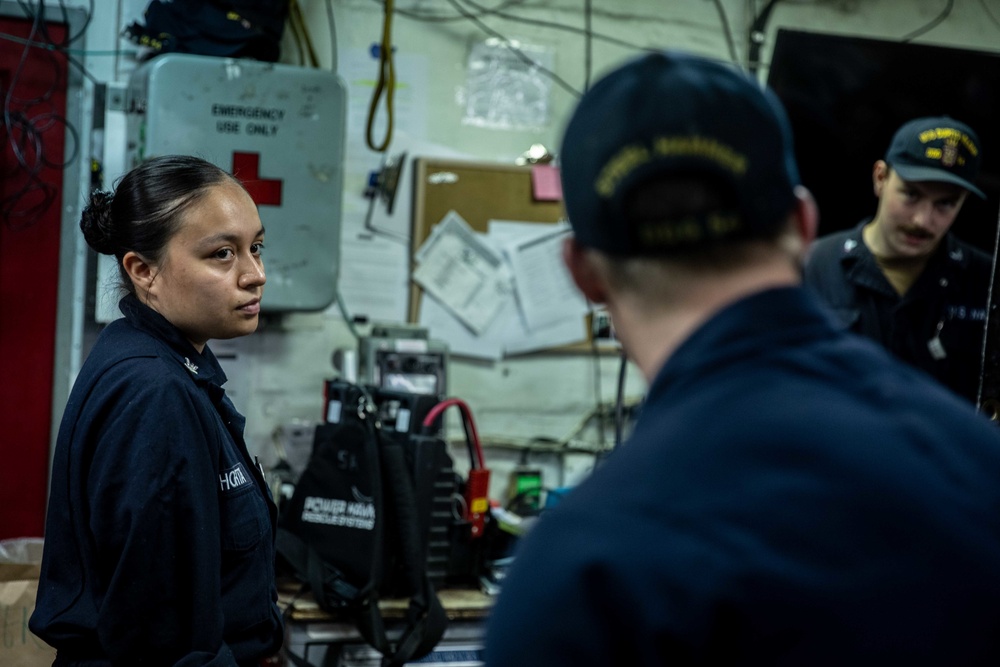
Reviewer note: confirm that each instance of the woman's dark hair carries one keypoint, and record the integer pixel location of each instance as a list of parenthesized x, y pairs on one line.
[(144, 211)]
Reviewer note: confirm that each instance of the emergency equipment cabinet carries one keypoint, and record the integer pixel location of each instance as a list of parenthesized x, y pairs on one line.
[(280, 130)]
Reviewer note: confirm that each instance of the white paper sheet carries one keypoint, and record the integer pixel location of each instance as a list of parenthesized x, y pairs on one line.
[(464, 273), (545, 290), (508, 334)]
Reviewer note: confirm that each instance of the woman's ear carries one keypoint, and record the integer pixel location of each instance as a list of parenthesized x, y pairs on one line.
[(139, 270)]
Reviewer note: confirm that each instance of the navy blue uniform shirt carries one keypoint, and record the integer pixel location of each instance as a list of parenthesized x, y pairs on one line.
[(159, 541), (939, 325), (791, 495)]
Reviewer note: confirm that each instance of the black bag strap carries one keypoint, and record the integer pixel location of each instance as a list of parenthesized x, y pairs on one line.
[(286, 652), (368, 413), (318, 575), (425, 617), (329, 584)]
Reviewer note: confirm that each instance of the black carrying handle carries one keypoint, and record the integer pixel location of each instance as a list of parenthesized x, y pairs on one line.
[(425, 617)]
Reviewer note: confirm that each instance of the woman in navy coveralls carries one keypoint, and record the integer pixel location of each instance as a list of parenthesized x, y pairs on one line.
[(159, 542)]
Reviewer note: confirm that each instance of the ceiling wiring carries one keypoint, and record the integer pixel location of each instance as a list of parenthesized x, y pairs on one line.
[(756, 35), (296, 39), (727, 31), (474, 12), (989, 13), (541, 23), (433, 17), (300, 35), (933, 23), (758, 29), (528, 60), (331, 22)]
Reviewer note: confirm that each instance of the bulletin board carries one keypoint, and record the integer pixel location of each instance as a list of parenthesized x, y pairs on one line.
[(477, 191)]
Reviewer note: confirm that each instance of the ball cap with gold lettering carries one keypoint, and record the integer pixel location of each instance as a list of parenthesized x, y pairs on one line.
[(674, 113), (938, 149)]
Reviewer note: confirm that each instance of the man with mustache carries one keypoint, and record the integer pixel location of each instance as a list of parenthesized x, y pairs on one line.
[(900, 277)]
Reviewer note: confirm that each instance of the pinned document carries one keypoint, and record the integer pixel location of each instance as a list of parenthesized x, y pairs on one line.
[(462, 272)]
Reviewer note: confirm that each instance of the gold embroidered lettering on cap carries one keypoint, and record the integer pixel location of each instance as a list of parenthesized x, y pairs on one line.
[(949, 154), (704, 147), (618, 167), (720, 224)]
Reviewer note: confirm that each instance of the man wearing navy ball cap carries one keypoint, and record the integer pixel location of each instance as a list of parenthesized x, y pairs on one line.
[(791, 494), (900, 277)]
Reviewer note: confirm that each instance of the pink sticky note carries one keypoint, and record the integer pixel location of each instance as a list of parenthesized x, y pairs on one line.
[(545, 183)]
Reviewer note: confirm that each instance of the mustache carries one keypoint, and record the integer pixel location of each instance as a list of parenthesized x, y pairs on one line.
[(913, 230)]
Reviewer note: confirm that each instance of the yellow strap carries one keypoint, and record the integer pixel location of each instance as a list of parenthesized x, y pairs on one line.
[(386, 83)]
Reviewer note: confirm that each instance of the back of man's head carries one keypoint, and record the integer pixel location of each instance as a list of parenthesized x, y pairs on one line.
[(673, 154)]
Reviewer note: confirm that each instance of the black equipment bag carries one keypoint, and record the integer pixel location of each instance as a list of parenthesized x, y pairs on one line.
[(334, 530), (225, 28)]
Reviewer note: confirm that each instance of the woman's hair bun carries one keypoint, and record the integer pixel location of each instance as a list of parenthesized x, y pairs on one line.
[(97, 224)]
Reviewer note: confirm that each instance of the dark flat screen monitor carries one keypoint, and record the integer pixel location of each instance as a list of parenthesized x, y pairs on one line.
[(846, 96)]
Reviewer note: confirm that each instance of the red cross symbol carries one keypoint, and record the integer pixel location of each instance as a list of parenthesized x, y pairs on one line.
[(263, 191)]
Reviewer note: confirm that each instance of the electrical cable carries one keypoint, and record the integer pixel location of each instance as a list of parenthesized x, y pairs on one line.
[(472, 436), (498, 12), (22, 135), (442, 18), (931, 24), (69, 39), (333, 35), (596, 356), (727, 31), (62, 47), (73, 134), (756, 35), (588, 44), (558, 80), (386, 84), (549, 450), (301, 32), (347, 318), (986, 8), (79, 52), (620, 401), (24, 131), (297, 41), (294, 29), (86, 22)]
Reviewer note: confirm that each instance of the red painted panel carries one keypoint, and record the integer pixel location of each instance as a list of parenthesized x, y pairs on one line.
[(263, 191), (33, 135)]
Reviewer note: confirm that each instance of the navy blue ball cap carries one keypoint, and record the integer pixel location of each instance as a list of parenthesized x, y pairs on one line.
[(672, 113), (936, 148)]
